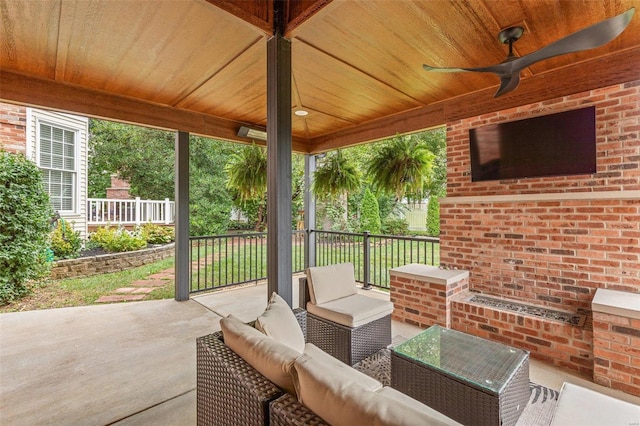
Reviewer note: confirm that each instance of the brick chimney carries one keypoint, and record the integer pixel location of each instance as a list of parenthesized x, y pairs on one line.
[(119, 189)]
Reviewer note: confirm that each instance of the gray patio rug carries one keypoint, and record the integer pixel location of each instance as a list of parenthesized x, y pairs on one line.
[(538, 411)]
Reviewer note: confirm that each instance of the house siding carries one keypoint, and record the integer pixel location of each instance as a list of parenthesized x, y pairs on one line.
[(18, 134)]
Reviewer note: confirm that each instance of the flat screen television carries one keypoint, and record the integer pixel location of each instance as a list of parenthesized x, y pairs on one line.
[(552, 145)]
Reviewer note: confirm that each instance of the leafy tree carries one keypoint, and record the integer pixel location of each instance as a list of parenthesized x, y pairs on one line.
[(370, 215), (435, 140), (401, 166), (209, 203), (143, 156), (25, 213)]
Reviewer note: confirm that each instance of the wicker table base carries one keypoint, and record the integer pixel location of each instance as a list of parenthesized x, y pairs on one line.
[(459, 393)]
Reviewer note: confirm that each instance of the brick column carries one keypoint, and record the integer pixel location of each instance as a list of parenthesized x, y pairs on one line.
[(616, 340), (422, 294)]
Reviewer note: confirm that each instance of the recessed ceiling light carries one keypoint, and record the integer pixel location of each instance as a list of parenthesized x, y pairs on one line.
[(301, 113)]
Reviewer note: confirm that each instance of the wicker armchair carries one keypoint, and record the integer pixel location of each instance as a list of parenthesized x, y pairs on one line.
[(349, 344), (230, 392)]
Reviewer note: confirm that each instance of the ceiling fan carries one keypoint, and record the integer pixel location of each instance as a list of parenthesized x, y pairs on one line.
[(509, 70)]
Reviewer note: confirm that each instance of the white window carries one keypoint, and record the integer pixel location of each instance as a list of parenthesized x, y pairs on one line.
[(57, 161)]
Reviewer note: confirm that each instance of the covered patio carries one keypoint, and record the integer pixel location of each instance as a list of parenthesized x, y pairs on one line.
[(134, 363), (311, 76)]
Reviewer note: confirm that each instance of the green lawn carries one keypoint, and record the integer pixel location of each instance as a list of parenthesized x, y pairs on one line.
[(219, 263), (86, 290), (223, 264)]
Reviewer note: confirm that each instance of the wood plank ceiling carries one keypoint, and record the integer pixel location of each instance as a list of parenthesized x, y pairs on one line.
[(200, 66)]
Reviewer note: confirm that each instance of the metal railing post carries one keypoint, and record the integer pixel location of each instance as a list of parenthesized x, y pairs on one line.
[(366, 260)]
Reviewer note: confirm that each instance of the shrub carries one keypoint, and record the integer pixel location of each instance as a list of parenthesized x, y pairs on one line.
[(65, 242), (118, 239), (24, 225), (395, 226), (433, 216), (369, 214), (156, 234)]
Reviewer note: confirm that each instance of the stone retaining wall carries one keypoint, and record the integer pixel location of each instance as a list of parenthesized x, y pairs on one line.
[(107, 263)]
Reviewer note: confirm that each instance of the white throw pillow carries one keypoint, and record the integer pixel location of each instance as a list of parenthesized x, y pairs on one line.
[(331, 282), (270, 357), (279, 322)]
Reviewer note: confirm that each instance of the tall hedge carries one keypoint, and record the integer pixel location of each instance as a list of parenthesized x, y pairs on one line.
[(24, 225), (370, 213), (433, 216)]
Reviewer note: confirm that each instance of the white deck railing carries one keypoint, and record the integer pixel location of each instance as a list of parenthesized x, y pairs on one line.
[(103, 211)]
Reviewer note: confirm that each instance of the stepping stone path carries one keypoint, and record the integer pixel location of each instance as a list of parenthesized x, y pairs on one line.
[(139, 289)]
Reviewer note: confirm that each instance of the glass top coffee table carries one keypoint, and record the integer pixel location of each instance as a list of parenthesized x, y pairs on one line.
[(470, 379)]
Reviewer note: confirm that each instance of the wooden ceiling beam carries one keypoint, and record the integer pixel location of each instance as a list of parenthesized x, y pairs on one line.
[(616, 68), (301, 10), (26, 90), (257, 13)]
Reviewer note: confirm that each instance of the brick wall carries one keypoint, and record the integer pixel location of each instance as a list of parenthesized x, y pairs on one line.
[(421, 301), (617, 352), (557, 343), (547, 241), (13, 136), (618, 146), (550, 241)]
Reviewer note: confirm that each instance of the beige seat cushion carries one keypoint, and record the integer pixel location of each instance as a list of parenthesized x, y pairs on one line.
[(279, 322), (316, 367), (585, 407), (343, 396), (270, 357), (405, 410), (352, 311), (331, 282)]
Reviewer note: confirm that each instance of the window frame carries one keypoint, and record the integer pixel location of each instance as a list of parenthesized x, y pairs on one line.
[(76, 160)]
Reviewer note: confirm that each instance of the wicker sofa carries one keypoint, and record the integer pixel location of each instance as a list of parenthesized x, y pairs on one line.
[(230, 391)]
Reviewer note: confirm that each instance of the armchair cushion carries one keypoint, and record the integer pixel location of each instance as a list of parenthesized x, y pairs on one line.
[(331, 282), (352, 311), (316, 366), (271, 358), (279, 322), (331, 390), (407, 411)]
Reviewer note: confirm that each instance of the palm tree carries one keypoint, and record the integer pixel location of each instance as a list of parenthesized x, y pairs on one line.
[(401, 167)]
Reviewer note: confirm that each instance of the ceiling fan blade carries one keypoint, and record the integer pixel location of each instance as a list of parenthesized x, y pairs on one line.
[(591, 37), (588, 38), (507, 84), (498, 69)]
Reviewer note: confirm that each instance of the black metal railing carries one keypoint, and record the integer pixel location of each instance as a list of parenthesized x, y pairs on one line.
[(227, 260), (373, 255)]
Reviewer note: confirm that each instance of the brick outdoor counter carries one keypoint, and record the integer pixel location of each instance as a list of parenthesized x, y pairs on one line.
[(422, 294)]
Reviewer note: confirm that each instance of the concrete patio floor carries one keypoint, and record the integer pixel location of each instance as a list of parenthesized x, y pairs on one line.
[(135, 363)]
